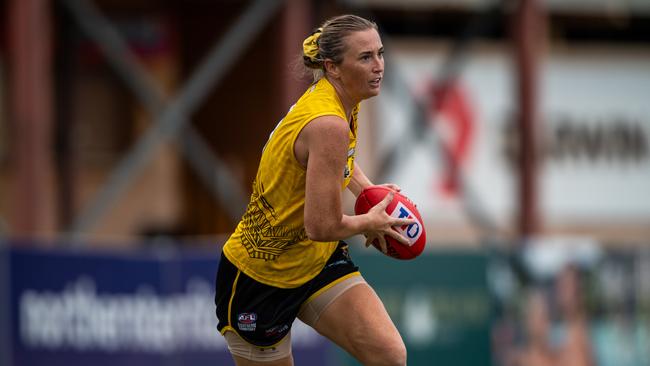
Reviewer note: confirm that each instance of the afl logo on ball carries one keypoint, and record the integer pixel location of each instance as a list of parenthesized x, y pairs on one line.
[(247, 322), (410, 231)]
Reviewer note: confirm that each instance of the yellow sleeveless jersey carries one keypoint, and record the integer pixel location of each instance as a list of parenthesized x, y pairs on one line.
[(270, 244)]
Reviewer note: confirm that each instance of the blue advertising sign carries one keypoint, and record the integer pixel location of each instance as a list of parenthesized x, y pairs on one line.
[(68, 307)]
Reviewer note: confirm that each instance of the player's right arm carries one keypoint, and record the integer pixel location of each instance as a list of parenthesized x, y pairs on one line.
[(322, 146)]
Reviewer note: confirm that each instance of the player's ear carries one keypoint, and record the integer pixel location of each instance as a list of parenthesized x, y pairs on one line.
[(331, 68)]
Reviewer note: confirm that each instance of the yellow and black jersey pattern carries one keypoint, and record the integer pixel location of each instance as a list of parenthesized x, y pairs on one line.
[(270, 244)]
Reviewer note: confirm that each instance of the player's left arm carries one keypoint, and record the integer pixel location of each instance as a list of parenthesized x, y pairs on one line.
[(359, 181)]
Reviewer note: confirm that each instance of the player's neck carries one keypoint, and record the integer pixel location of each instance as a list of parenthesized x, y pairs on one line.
[(345, 98)]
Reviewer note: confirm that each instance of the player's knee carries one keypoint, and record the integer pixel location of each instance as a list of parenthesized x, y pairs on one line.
[(393, 354), (397, 355)]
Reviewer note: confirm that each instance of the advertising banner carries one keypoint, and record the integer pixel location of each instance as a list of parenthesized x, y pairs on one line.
[(593, 134), (67, 307)]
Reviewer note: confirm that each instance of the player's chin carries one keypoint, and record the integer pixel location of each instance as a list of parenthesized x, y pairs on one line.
[(373, 91)]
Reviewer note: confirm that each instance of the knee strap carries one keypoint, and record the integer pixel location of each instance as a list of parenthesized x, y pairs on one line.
[(251, 352)]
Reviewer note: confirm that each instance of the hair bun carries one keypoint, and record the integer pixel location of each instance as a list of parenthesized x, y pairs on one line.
[(310, 49)]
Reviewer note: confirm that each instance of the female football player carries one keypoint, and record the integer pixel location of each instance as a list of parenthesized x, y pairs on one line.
[(286, 258)]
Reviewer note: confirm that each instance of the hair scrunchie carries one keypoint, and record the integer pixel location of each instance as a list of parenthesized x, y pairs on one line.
[(310, 45)]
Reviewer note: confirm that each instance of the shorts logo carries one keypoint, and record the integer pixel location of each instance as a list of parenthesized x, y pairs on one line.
[(277, 330), (410, 231), (341, 261), (247, 322)]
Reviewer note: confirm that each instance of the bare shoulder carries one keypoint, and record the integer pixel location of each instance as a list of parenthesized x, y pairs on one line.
[(325, 127), (326, 135), (321, 136)]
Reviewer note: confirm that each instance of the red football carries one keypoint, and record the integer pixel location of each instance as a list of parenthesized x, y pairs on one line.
[(399, 207)]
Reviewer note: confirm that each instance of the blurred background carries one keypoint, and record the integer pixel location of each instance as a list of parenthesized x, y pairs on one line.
[(130, 132)]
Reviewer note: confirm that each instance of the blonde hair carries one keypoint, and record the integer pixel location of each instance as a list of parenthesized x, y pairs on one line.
[(327, 42)]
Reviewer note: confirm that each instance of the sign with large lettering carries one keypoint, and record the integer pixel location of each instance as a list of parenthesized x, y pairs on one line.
[(594, 135), (143, 308)]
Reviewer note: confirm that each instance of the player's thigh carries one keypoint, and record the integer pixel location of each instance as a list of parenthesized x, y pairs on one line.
[(358, 322)]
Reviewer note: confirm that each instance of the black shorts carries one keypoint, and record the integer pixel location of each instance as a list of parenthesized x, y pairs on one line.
[(261, 314)]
